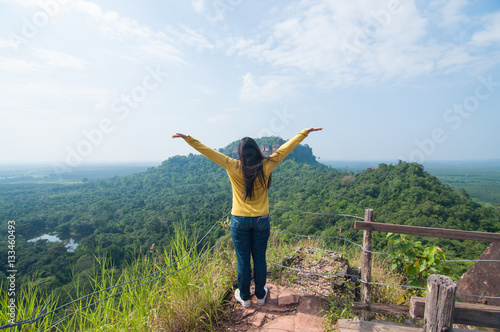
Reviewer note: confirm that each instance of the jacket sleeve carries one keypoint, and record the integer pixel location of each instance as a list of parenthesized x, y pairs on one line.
[(287, 148), (215, 156)]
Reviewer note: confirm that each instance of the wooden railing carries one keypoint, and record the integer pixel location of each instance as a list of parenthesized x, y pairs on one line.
[(470, 314)]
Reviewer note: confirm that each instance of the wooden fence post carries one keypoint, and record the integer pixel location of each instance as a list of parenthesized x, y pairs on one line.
[(366, 264), (439, 304)]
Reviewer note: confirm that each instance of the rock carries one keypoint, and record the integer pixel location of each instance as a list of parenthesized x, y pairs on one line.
[(287, 298), (301, 305), (258, 319), (482, 278)]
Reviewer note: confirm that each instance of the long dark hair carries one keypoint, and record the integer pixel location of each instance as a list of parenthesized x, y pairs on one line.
[(251, 158)]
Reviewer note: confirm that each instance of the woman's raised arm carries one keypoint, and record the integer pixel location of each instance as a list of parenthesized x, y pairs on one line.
[(313, 129), (177, 135)]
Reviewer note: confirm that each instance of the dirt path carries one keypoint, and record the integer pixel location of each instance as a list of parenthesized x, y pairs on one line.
[(298, 307), (285, 310)]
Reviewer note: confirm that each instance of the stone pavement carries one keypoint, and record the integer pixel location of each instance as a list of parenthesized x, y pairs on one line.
[(285, 310)]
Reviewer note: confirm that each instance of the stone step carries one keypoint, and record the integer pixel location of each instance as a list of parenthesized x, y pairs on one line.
[(285, 310)]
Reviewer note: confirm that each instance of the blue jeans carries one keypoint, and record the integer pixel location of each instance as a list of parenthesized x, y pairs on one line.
[(250, 236)]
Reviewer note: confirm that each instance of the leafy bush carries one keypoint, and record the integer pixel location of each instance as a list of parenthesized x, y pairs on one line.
[(415, 260)]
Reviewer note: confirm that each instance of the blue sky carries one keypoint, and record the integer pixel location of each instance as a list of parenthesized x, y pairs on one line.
[(111, 81)]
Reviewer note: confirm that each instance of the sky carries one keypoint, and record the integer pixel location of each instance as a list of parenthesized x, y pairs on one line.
[(112, 81)]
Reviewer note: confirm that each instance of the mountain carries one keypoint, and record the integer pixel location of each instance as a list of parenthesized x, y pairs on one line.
[(302, 153)]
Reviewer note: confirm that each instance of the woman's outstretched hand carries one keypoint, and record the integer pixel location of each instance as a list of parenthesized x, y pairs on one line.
[(179, 135), (313, 129)]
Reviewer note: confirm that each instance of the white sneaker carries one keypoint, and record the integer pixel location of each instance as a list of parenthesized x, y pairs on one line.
[(246, 303), (262, 301)]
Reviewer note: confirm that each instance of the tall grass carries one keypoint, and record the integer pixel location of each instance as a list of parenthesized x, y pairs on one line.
[(188, 296), (185, 297), (29, 303)]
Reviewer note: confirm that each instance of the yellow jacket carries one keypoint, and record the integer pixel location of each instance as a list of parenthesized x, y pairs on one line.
[(259, 204)]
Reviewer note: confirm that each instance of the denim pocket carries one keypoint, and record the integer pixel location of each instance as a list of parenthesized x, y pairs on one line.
[(235, 223), (263, 223)]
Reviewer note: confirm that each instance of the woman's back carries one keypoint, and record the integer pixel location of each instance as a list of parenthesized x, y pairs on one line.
[(250, 226), (257, 204)]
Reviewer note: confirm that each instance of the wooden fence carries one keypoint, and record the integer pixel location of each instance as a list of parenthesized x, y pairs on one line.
[(461, 313)]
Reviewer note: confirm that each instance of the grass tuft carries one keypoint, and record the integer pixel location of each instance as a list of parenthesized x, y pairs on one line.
[(186, 296)]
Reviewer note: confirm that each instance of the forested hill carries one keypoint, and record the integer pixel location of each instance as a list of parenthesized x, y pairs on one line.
[(302, 153), (126, 215)]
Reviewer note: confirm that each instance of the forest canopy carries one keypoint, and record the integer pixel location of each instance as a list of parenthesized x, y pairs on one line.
[(124, 216)]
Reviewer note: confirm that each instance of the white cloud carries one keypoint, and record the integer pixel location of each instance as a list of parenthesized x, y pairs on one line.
[(454, 58), (206, 90), (325, 38), (58, 59), (215, 10), (453, 13), (191, 38), (490, 35), (51, 60), (19, 66), (361, 42), (198, 5), (142, 38), (160, 50), (112, 23), (267, 89)]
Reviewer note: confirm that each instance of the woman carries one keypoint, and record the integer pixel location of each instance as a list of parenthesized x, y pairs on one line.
[(250, 177)]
